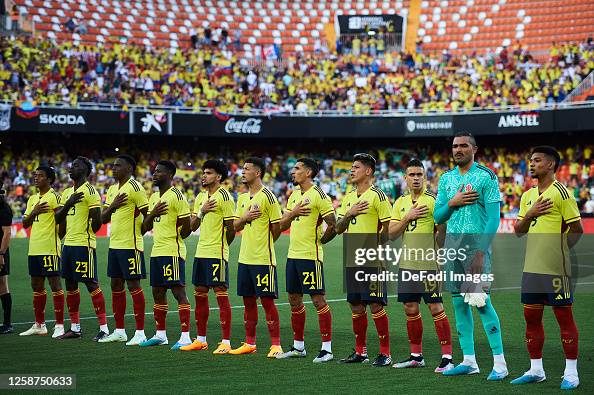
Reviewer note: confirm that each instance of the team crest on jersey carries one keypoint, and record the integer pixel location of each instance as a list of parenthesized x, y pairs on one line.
[(468, 187), (255, 206), (306, 201)]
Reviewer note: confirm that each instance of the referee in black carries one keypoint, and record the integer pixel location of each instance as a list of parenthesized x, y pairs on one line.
[(5, 298)]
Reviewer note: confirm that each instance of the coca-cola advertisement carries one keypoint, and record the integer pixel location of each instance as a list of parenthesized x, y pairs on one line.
[(247, 126)]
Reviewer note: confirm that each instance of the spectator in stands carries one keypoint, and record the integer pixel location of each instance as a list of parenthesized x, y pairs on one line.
[(237, 39), (14, 18)]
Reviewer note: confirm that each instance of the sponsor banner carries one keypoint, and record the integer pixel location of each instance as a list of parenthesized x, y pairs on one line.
[(71, 121), (151, 122), (427, 126), (354, 24), (506, 122)]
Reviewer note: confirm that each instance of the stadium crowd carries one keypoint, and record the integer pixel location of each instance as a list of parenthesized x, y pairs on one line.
[(354, 81), (17, 168)]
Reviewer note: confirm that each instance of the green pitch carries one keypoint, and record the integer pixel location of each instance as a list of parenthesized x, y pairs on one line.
[(117, 368)]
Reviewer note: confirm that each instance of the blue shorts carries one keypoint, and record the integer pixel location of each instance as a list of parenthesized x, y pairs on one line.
[(210, 272), (414, 291), (79, 264), (126, 264), (546, 289), (44, 265), (378, 293), (257, 280), (305, 276), (167, 271)]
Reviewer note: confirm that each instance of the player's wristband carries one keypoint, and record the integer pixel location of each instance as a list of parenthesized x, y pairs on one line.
[(200, 214)]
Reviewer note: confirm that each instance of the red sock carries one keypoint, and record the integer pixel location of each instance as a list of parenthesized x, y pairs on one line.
[(224, 313), (201, 312), (250, 318), (383, 330), (298, 322), (360, 330), (160, 311), (73, 302), (118, 304), (272, 319), (58, 297), (184, 316), (99, 305), (325, 322), (39, 299), (569, 332), (139, 307), (444, 332), (534, 329)]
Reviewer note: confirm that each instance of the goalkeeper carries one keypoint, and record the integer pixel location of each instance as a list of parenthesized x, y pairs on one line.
[(468, 200)]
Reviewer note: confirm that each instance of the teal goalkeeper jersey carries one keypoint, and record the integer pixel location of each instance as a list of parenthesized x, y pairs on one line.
[(469, 219)]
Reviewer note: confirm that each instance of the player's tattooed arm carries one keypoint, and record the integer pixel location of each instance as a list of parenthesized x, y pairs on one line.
[(229, 231), (330, 231)]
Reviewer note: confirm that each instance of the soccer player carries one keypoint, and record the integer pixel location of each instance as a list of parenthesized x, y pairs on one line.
[(308, 207), (550, 216), (5, 297), (44, 251), (412, 218), (468, 200), (169, 217), (214, 212), (126, 201), (258, 215), (366, 210), (80, 208)]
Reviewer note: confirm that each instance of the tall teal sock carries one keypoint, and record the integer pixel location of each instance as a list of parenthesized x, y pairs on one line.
[(492, 326), (464, 324)]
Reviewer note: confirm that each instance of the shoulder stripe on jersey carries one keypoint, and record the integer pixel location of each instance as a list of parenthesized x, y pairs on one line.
[(489, 171), (562, 191), (91, 189), (269, 195), (225, 194), (134, 186), (178, 193), (57, 196), (431, 195), (380, 193), (563, 187), (320, 192)]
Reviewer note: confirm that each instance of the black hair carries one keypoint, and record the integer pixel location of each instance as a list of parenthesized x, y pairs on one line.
[(549, 151), (415, 163), (130, 160), (311, 165), (218, 166), (259, 163), (87, 163), (466, 134), (50, 173), (169, 165), (366, 159)]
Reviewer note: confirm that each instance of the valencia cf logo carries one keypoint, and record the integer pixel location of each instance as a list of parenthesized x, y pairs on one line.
[(468, 188)]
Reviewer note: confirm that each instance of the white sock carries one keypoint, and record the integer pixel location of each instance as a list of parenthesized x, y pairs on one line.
[(104, 328), (226, 341), (120, 331), (299, 345), (536, 366), (414, 354), (185, 337), (499, 364), (448, 356), (570, 367), (327, 346), (75, 327), (59, 326), (161, 335), (139, 332), (470, 360), (201, 339)]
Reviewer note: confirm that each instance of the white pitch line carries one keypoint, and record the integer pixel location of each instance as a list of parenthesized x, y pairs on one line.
[(241, 306)]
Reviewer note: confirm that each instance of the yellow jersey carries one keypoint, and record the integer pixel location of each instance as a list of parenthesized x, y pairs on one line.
[(546, 247), (370, 221), (78, 224), (126, 221), (212, 242), (306, 230), (44, 239), (166, 238), (257, 245), (419, 234)]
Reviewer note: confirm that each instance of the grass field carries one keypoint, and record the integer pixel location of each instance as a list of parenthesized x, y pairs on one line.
[(117, 368)]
